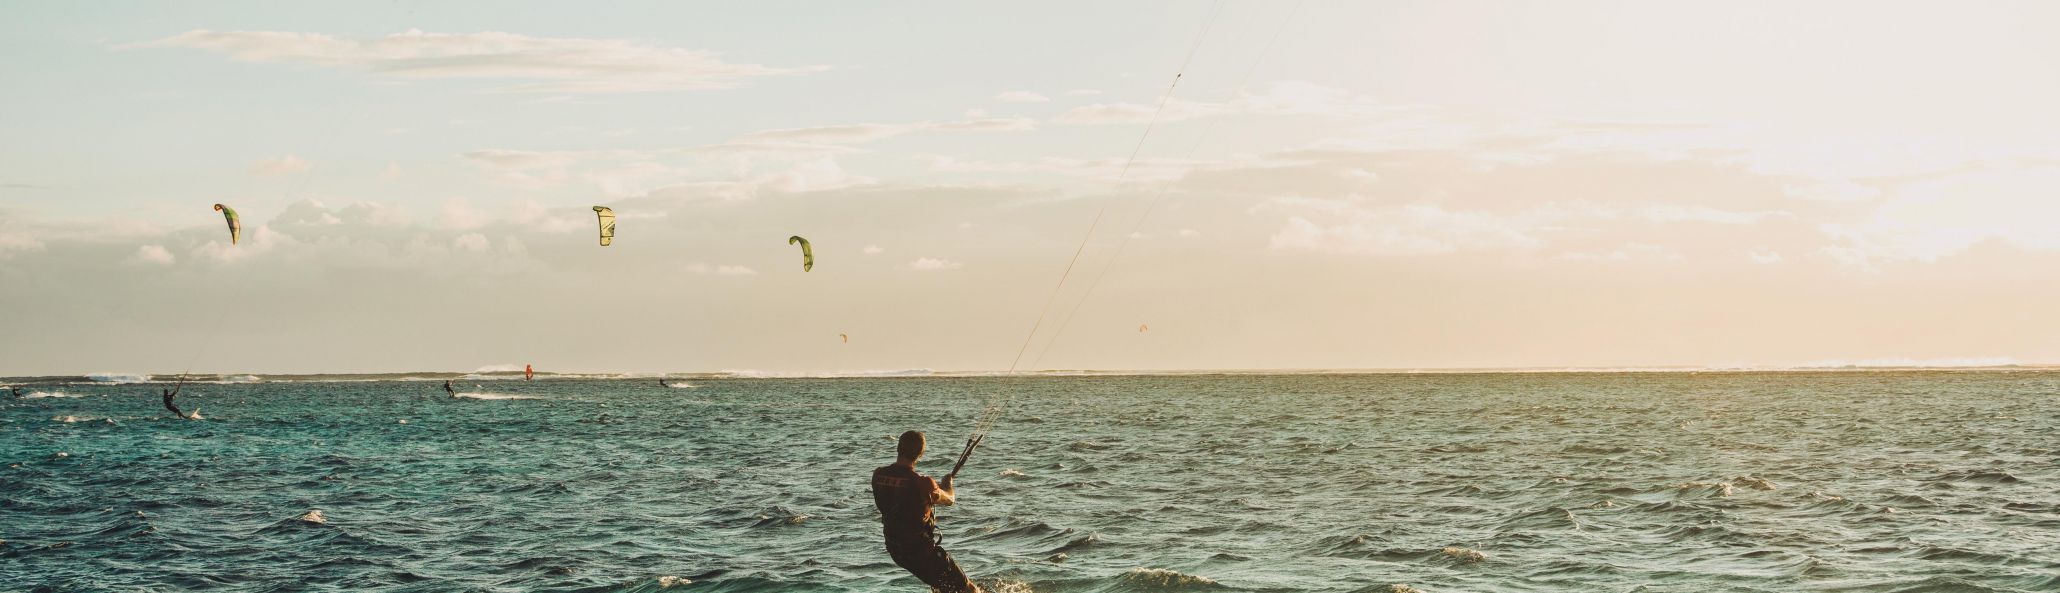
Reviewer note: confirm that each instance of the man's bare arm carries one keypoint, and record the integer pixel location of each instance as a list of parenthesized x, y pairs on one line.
[(943, 495)]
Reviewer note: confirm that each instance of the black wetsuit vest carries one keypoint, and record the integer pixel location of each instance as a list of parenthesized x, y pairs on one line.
[(903, 497)]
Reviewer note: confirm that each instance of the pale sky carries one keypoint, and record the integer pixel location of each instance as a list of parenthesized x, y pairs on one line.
[(1338, 184)]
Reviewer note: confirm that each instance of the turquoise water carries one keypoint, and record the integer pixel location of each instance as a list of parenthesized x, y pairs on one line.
[(1656, 482)]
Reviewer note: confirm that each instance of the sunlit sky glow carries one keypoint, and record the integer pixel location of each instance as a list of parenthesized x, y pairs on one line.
[(1386, 185)]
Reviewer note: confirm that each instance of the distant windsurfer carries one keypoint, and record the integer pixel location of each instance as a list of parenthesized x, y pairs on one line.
[(904, 498), (528, 373), (447, 389)]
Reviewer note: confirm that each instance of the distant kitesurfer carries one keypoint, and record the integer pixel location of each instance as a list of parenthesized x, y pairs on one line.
[(169, 394), (904, 498), (447, 389), (14, 390), (661, 382)]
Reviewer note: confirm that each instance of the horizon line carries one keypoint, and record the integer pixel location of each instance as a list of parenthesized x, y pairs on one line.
[(495, 373)]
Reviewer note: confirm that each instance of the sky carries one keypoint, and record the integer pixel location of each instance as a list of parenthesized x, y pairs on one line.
[(1330, 185)]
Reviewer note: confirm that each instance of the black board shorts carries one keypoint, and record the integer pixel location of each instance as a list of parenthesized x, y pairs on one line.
[(930, 563)]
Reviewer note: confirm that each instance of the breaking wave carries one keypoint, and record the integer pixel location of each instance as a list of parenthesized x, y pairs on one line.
[(118, 378), (491, 395), (754, 374)]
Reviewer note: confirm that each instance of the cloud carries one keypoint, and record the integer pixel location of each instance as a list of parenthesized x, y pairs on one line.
[(13, 241), (1147, 169), (1288, 97), (1083, 92), (781, 160), (841, 134), (1628, 253), (925, 264), (1133, 113), (863, 133), (1675, 213), (872, 250), (548, 64), (473, 242), (1021, 97), (1935, 217), (1833, 190), (985, 124), (459, 214), (1764, 256), (285, 165), (155, 255), (1424, 229), (721, 270)]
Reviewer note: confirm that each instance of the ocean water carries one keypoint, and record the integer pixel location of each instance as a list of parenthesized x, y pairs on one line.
[(1653, 482)]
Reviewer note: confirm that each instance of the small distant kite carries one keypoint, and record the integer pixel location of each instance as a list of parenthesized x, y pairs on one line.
[(607, 217), (847, 337), (235, 223), (1142, 328), (807, 253)]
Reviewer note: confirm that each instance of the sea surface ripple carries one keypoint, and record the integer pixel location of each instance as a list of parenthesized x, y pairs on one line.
[(1510, 482)]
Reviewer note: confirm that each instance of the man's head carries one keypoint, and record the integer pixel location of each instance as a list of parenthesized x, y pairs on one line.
[(911, 446)]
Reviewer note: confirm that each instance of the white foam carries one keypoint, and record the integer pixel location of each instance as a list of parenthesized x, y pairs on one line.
[(755, 374), (51, 394), (1913, 363), (1009, 586), (1464, 555), (683, 385), (490, 395), (1161, 577), (118, 378)]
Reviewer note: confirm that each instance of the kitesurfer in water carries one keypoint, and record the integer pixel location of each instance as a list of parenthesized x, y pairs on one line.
[(904, 498), (447, 389), (16, 391), (661, 382), (169, 394)]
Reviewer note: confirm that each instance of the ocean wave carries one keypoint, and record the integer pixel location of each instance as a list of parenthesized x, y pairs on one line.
[(756, 374), (492, 395), (36, 394), (118, 378), (1913, 363), (69, 419), (1160, 579)]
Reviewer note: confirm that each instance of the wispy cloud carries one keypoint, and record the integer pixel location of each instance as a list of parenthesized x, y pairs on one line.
[(838, 134), (721, 269), (1407, 230), (154, 255), (551, 64), (927, 264), (285, 165)]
